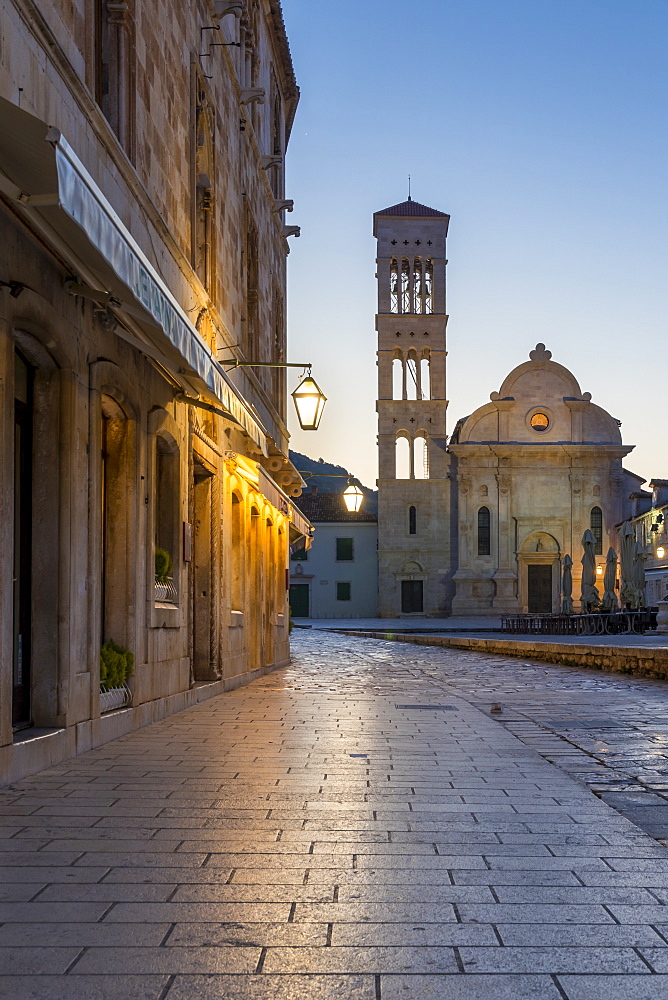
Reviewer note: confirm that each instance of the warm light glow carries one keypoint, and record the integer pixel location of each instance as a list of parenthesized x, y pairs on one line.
[(540, 421), (660, 552), (599, 571), (309, 404), (353, 497)]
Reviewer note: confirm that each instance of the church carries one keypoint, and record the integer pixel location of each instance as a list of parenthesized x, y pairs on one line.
[(479, 522)]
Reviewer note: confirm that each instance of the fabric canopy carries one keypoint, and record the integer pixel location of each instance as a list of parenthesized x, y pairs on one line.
[(42, 174)]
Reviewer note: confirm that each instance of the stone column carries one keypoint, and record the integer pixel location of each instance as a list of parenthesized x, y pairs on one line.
[(505, 576)]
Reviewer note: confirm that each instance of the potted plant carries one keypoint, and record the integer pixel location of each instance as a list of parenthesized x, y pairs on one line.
[(116, 666)]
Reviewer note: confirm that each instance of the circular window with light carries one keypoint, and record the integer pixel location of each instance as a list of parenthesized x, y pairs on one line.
[(539, 421)]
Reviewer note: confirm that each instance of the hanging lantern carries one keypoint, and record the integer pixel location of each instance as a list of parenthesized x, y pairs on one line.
[(352, 498), (309, 403)]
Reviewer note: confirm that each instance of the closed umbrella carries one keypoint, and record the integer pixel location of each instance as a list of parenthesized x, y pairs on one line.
[(609, 597), (628, 595), (567, 586), (639, 574), (589, 595)]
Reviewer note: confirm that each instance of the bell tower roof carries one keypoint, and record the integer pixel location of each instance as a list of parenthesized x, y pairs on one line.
[(413, 208)]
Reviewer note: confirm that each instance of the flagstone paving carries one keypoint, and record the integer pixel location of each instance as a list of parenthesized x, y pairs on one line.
[(354, 826)]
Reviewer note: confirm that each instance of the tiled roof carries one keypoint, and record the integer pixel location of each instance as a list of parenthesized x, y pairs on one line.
[(411, 207), (329, 507)]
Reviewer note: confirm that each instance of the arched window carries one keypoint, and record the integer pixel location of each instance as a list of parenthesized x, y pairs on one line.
[(115, 68), (397, 379), (425, 385), (412, 521), (596, 525), (237, 561), (420, 457), (428, 298), (484, 532), (403, 458), (204, 228), (411, 379), (417, 285), (394, 286), (405, 286)]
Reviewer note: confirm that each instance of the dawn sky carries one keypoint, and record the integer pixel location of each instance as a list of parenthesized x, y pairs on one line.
[(540, 127)]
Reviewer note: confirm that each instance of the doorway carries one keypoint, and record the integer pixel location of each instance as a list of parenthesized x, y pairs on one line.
[(22, 563), (204, 660), (411, 596), (299, 600), (539, 587)]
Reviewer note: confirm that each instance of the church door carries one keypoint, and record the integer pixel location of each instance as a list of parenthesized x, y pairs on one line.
[(539, 580), (411, 596)]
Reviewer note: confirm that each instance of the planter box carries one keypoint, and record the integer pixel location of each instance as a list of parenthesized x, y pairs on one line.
[(114, 698)]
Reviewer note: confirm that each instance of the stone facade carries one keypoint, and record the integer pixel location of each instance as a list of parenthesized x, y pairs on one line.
[(145, 141), (482, 526)]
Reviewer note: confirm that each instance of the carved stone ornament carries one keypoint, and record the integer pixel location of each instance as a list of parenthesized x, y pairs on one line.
[(504, 484), (464, 484), (504, 527), (464, 527), (540, 353)]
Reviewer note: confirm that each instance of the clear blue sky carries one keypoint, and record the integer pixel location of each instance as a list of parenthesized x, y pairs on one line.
[(540, 127)]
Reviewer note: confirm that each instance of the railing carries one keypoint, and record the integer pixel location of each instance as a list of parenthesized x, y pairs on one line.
[(616, 623), (165, 591)]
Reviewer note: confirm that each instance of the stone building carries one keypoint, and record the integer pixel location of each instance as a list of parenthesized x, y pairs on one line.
[(650, 523), (479, 524), (144, 249), (337, 577)]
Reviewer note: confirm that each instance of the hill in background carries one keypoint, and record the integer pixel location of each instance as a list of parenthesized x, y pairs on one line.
[(326, 485)]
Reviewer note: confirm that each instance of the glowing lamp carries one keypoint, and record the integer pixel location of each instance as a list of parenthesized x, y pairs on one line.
[(599, 571), (309, 403), (352, 498), (660, 552)]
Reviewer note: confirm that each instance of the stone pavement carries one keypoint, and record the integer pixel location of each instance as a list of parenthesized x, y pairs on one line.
[(321, 833)]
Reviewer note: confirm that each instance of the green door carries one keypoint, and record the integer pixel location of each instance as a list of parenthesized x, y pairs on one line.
[(299, 600)]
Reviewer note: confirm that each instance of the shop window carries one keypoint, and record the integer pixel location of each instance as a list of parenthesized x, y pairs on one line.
[(343, 591), (412, 521), (596, 525), (237, 554), (167, 540), (344, 550), (484, 532)]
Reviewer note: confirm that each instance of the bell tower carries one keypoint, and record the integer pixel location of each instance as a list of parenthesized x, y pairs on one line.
[(413, 484)]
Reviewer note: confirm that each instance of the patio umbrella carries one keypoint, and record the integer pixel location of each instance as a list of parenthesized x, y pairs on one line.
[(567, 586), (609, 597), (639, 574), (628, 595), (589, 594)]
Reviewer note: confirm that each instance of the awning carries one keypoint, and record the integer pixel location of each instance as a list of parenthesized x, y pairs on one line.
[(44, 177)]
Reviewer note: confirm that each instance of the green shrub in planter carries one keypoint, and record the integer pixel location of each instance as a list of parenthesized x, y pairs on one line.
[(116, 665), (164, 564)]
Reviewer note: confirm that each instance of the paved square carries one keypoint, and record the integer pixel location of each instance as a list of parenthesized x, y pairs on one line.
[(304, 838)]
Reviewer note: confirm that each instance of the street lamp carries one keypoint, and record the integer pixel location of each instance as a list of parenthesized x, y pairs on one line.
[(352, 498), (309, 403), (352, 495), (308, 398)]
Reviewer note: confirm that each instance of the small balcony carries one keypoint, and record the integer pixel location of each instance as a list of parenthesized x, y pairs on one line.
[(165, 591)]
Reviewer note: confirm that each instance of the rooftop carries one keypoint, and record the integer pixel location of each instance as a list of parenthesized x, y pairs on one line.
[(414, 208), (319, 507)]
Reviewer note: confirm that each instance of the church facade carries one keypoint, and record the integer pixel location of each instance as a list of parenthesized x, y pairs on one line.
[(479, 523)]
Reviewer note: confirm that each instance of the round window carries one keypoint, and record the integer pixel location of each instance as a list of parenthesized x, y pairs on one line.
[(540, 422)]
